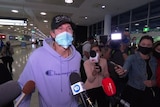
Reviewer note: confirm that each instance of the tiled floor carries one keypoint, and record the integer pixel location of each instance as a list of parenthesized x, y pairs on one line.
[(20, 58)]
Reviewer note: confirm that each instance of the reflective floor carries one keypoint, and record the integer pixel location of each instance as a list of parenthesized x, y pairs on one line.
[(20, 56)]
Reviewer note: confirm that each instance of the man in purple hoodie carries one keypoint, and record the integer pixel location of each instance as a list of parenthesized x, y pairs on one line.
[(50, 66)]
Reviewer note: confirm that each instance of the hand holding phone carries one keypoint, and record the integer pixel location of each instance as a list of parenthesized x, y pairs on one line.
[(113, 63), (119, 69)]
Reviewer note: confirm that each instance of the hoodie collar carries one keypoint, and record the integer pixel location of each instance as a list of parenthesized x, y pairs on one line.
[(48, 45)]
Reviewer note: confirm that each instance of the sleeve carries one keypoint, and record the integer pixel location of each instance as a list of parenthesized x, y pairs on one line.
[(25, 76), (127, 65), (158, 76)]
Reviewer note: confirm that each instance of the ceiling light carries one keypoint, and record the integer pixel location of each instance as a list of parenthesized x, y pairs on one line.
[(103, 6), (86, 17), (45, 21), (14, 11), (31, 24), (13, 22), (127, 28), (43, 13), (137, 24), (68, 1), (158, 27)]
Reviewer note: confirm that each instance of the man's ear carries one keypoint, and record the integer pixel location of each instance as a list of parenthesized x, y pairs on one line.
[(52, 34)]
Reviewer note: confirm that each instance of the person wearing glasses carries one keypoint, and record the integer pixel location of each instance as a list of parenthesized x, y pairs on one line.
[(50, 66)]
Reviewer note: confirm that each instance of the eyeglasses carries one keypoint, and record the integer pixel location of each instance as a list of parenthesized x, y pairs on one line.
[(62, 18)]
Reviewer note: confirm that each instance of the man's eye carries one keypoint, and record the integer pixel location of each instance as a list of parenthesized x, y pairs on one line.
[(69, 28), (60, 28)]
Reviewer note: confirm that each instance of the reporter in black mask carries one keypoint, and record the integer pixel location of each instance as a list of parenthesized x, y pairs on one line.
[(144, 50), (141, 71)]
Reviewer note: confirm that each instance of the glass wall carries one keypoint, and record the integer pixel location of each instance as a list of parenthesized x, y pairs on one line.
[(133, 20)]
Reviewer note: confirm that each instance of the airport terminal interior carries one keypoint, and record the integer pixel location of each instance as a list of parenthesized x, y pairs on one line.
[(136, 17)]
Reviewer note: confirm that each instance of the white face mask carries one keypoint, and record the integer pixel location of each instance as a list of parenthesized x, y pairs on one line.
[(64, 39)]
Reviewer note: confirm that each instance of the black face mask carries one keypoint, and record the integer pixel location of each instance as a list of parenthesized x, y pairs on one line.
[(144, 50), (156, 54)]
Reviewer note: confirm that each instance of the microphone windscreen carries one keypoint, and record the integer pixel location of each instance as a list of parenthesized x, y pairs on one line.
[(109, 86), (74, 78), (9, 91), (28, 87)]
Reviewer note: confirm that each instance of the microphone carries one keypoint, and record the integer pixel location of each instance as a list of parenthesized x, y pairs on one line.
[(110, 89), (9, 91), (77, 88), (27, 89), (94, 58)]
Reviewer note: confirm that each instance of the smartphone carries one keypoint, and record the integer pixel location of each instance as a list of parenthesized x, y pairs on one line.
[(113, 63), (116, 65)]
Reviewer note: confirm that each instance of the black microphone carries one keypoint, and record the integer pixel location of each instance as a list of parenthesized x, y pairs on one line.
[(9, 91), (110, 89), (77, 88)]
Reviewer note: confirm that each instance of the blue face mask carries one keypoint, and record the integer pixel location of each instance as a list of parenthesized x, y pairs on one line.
[(64, 39)]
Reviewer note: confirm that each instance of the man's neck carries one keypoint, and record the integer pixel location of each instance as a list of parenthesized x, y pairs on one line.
[(62, 51)]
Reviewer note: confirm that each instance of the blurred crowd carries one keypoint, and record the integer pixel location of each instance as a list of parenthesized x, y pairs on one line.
[(134, 66)]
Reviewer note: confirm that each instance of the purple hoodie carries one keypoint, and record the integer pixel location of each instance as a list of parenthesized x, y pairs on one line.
[(51, 72)]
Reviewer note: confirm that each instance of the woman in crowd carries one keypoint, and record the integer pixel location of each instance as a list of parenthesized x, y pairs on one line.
[(96, 70), (141, 70)]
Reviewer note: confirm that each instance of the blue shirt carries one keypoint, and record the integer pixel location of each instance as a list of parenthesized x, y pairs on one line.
[(136, 70)]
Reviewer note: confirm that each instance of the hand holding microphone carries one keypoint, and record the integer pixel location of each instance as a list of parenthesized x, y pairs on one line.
[(27, 89)]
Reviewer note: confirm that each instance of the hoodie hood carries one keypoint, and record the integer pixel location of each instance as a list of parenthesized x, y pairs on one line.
[(48, 43)]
